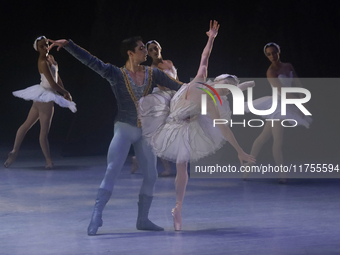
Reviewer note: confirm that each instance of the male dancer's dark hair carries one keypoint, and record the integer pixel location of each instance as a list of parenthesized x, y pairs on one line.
[(129, 44)]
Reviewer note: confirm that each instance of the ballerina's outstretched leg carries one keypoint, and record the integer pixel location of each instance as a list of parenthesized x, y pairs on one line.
[(31, 119)]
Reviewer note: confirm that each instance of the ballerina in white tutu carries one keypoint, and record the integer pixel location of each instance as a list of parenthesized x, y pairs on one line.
[(43, 95), (176, 130), (279, 75)]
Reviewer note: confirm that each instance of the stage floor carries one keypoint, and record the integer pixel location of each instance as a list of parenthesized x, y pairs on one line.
[(47, 212)]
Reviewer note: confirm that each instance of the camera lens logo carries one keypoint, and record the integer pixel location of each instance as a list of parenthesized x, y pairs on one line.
[(208, 92)]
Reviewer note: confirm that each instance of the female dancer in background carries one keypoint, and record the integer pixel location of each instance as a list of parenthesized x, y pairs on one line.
[(279, 75), (43, 95), (154, 51), (177, 131)]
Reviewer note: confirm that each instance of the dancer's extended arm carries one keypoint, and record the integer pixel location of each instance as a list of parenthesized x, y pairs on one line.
[(104, 69), (193, 93), (212, 33)]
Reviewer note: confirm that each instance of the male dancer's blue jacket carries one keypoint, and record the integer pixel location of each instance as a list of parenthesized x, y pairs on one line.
[(121, 84)]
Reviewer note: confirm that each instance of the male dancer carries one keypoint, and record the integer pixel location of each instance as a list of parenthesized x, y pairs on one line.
[(129, 84)]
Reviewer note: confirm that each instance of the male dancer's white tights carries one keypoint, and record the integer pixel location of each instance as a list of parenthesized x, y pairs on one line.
[(124, 136)]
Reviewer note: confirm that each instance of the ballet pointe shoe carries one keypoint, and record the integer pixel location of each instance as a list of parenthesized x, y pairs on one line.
[(49, 164), (143, 222), (11, 158), (134, 166), (177, 216), (103, 197), (282, 181), (246, 174)]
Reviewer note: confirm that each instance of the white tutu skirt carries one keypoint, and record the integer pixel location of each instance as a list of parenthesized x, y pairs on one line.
[(41, 94), (174, 138), (292, 112)]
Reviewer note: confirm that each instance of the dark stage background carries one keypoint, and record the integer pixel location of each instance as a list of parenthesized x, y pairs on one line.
[(307, 31)]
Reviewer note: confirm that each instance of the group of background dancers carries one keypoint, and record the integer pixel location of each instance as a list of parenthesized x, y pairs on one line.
[(157, 114)]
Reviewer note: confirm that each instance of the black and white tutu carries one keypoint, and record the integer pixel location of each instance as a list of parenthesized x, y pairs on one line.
[(43, 92)]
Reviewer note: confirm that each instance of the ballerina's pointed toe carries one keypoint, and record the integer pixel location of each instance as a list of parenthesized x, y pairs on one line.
[(177, 216), (11, 158)]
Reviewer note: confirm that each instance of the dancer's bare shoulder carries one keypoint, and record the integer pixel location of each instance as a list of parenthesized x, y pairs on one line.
[(166, 64), (272, 73)]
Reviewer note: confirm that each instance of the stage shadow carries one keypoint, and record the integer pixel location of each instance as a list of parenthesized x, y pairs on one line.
[(210, 232), (55, 168)]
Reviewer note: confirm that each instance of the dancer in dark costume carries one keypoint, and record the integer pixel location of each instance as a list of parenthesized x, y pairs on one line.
[(129, 84)]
